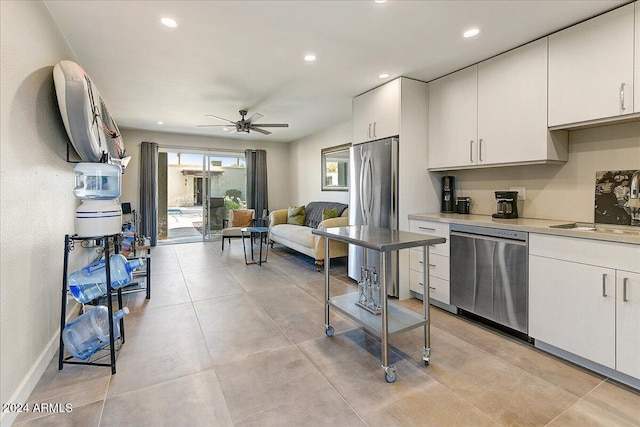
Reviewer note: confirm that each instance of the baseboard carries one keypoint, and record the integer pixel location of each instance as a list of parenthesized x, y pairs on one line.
[(29, 382), (596, 367)]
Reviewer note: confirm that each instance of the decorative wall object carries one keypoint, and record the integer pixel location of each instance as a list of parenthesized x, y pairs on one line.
[(612, 192)]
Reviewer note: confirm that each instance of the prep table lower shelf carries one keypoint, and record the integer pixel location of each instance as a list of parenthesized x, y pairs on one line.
[(400, 318)]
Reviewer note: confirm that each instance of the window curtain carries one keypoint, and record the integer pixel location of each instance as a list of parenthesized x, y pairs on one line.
[(257, 197), (149, 191)]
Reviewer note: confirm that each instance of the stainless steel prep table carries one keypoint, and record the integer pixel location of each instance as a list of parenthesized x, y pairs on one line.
[(394, 319)]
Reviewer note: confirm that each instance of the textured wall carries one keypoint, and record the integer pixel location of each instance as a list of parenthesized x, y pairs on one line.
[(304, 168), (36, 195)]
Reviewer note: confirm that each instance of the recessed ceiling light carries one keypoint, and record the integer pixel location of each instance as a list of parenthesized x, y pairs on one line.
[(169, 22), (310, 58), (383, 76), (380, 1), (160, 123), (471, 33)]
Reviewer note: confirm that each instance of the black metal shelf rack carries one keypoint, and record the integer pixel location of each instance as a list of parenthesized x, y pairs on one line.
[(69, 244)]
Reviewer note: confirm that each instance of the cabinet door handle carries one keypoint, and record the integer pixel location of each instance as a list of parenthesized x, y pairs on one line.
[(622, 96), (432, 266), (480, 150), (624, 289), (427, 228), (432, 288), (604, 285), (374, 130), (471, 151)]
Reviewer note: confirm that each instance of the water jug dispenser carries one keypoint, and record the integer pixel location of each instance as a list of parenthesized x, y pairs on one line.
[(88, 333)]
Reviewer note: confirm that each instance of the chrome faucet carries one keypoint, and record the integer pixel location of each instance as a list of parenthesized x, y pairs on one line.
[(633, 204)]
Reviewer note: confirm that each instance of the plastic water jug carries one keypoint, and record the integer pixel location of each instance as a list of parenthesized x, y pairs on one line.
[(97, 181), (88, 333), (90, 282)]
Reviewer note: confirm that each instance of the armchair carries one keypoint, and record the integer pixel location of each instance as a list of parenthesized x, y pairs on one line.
[(238, 219)]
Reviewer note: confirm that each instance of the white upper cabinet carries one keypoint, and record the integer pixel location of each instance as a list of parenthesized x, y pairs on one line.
[(512, 109), (453, 120), (591, 69), (376, 114), (636, 96), (494, 113)]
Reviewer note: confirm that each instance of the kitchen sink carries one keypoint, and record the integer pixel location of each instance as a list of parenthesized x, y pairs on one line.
[(597, 229), (575, 226)]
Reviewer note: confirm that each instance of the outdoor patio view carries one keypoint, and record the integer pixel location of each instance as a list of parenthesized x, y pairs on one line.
[(200, 191)]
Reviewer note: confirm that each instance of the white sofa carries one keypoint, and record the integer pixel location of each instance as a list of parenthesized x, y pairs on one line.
[(300, 238)]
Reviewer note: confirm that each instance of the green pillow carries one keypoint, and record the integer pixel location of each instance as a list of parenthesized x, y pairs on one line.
[(296, 215), (329, 213)]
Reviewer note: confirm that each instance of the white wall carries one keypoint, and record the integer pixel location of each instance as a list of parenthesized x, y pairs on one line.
[(305, 169), (566, 191), (36, 197), (277, 160)]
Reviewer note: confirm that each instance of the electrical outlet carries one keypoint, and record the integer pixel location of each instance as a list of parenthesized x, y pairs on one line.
[(521, 192)]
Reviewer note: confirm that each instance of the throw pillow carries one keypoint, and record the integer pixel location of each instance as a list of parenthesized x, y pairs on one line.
[(295, 215), (241, 218), (329, 213)]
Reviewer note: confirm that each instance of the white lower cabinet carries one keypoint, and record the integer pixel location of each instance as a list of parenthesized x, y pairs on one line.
[(573, 307), (584, 298), (628, 323), (438, 261)]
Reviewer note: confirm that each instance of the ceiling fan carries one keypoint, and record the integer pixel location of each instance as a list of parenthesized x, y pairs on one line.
[(245, 125)]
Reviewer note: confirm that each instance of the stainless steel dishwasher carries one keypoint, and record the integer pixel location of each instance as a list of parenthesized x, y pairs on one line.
[(489, 275)]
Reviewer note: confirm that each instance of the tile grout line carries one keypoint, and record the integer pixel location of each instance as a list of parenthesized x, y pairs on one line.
[(581, 398)]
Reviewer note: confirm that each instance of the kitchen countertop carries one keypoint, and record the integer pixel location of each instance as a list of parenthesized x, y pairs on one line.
[(605, 232)]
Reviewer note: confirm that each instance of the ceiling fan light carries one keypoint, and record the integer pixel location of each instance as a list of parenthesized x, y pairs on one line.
[(383, 75), (169, 22)]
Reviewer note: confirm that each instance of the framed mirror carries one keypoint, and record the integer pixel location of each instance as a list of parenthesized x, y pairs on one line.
[(335, 168)]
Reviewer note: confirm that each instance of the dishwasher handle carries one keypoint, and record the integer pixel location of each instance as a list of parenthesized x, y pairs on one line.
[(489, 238)]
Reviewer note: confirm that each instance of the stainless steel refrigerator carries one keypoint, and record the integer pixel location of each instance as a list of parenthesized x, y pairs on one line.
[(373, 200)]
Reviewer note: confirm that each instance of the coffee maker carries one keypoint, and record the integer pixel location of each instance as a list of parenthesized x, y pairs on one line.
[(507, 202), (448, 202)]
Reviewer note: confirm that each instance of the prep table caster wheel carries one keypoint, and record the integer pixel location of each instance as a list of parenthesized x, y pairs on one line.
[(426, 353), (329, 331), (390, 374)]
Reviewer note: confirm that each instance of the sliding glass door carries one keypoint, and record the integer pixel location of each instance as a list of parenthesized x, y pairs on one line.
[(200, 189)]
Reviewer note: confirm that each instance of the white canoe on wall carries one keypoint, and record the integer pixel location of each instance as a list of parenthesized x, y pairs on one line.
[(91, 129)]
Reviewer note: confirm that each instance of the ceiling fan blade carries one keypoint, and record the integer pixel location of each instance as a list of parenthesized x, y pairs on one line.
[(208, 126), (262, 131), (219, 118), (234, 130), (254, 117), (274, 125)]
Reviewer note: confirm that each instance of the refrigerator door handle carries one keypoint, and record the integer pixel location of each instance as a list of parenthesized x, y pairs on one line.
[(368, 187), (363, 210)]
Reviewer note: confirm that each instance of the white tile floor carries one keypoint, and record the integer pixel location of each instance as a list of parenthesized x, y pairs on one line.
[(222, 343)]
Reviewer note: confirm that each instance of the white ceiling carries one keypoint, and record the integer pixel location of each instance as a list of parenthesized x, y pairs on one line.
[(228, 55)]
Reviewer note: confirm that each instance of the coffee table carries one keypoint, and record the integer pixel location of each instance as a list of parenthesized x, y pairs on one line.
[(263, 234)]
